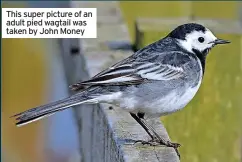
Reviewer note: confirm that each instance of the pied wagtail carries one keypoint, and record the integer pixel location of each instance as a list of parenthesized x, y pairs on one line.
[(157, 80)]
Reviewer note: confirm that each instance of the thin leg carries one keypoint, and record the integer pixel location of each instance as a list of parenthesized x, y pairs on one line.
[(157, 139), (141, 118), (161, 140), (142, 124)]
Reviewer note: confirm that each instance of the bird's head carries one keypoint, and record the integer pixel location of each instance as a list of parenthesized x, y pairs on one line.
[(195, 38)]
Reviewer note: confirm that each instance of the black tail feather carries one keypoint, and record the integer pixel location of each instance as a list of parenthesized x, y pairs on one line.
[(47, 110)]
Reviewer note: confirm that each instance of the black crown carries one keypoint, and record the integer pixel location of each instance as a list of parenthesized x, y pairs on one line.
[(181, 31)]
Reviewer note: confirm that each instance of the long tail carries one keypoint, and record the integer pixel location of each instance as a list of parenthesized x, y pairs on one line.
[(40, 112)]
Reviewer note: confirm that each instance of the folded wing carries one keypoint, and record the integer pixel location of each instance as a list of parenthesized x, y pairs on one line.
[(127, 73)]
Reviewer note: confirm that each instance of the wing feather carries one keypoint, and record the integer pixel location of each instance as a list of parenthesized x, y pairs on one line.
[(161, 72), (140, 67), (136, 73)]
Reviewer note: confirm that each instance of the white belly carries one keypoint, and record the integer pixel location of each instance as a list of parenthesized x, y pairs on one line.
[(163, 106), (170, 103)]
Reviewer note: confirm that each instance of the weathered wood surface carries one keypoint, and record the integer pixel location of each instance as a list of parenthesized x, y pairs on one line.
[(107, 135)]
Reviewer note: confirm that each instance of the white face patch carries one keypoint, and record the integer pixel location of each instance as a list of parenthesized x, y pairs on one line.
[(191, 41)]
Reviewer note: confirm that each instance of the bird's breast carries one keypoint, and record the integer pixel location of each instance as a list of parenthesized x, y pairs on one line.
[(172, 102)]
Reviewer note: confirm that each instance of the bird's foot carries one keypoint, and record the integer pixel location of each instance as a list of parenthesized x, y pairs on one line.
[(164, 142), (156, 142), (151, 142), (171, 144)]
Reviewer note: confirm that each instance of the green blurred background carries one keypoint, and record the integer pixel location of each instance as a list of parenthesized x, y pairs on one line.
[(208, 128)]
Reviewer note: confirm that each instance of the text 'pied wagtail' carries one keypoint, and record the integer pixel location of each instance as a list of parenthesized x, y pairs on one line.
[(155, 81)]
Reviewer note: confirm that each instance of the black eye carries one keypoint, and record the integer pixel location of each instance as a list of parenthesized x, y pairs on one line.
[(201, 39)]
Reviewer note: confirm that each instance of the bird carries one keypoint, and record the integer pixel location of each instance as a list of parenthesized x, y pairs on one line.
[(157, 80)]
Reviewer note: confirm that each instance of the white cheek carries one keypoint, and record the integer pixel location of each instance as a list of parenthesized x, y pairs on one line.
[(202, 46), (186, 45)]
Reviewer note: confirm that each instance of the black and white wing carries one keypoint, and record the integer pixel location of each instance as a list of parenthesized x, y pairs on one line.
[(132, 71), (156, 71), (121, 73)]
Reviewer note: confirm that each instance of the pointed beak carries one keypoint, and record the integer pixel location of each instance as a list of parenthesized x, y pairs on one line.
[(220, 41)]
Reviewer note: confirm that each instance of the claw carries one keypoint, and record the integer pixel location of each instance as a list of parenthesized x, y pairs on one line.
[(156, 142), (174, 145), (178, 154), (170, 144), (151, 143)]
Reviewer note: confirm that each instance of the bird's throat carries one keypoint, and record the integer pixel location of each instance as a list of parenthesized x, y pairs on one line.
[(202, 57)]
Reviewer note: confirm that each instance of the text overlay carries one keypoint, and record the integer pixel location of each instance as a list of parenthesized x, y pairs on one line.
[(49, 22)]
